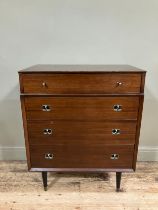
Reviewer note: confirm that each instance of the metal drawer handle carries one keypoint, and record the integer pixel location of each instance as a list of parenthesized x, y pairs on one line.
[(47, 131), (114, 156), (119, 84), (49, 156), (46, 108), (44, 84), (117, 108), (115, 131)]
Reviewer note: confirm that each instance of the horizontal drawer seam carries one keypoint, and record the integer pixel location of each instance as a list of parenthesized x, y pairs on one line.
[(86, 95)]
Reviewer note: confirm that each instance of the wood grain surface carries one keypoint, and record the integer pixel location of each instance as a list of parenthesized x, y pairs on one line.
[(81, 156), (81, 108), (81, 132), (81, 68), (81, 83)]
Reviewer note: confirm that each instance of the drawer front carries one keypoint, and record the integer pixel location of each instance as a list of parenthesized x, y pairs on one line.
[(81, 83), (81, 108), (81, 133), (81, 157)]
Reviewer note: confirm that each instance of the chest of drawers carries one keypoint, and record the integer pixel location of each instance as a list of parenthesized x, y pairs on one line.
[(82, 118)]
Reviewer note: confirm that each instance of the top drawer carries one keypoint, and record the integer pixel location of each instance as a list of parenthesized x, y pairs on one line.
[(79, 83)]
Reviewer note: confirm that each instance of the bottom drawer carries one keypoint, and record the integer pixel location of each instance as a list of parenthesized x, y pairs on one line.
[(66, 156)]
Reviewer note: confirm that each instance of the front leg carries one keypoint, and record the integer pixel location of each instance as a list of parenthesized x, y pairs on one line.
[(118, 181), (44, 178)]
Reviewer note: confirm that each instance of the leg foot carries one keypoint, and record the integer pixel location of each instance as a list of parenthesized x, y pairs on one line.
[(45, 188), (118, 181), (44, 178)]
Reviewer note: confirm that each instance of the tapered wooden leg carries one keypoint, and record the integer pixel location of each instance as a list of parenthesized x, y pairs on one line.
[(44, 178), (118, 181)]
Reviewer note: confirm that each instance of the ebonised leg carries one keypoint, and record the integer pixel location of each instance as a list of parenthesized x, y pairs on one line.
[(44, 178), (118, 181)]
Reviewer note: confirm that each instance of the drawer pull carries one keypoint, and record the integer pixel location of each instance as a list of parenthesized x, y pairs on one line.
[(46, 108), (47, 131), (44, 84), (114, 156), (119, 83), (115, 131), (49, 156), (117, 108)]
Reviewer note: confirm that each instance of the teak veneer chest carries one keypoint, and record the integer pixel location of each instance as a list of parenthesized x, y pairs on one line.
[(82, 118)]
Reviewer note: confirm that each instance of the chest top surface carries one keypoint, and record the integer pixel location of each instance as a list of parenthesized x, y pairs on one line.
[(48, 68)]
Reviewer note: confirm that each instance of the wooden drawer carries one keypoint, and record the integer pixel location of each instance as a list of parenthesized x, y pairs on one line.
[(81, 108), (81, 133), (81, 83), (81, 157)]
